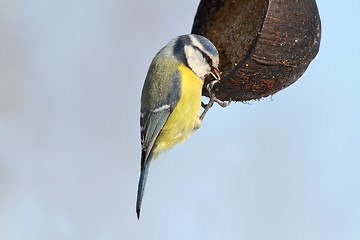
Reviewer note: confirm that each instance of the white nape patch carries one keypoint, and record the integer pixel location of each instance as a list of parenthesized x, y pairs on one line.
[(196, 61), (163, 107)]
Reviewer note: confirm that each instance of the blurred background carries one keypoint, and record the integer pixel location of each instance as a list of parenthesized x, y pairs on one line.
[(71, 73)]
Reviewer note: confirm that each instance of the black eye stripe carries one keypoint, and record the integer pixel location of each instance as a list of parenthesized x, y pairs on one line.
[(205, 56)]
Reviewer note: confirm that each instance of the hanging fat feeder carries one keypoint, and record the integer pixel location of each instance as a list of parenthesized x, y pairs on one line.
[(264, 45)]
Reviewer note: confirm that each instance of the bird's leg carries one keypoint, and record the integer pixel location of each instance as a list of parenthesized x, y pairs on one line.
[(206, 108)]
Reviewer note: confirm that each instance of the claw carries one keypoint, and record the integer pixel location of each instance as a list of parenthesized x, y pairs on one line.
[(203, 105), (222, 103)]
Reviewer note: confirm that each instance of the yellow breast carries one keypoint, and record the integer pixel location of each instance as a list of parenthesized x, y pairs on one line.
[(184, 118)]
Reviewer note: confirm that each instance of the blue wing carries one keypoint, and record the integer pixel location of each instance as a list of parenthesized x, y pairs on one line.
[(151, 122)]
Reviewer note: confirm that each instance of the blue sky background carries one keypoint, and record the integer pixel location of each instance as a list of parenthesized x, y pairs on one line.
[(71, 74)]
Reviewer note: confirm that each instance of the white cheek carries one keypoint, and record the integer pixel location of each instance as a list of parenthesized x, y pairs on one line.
[(196, 62)]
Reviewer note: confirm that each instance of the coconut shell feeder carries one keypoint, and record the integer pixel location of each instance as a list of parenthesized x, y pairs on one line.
[(264, 45)]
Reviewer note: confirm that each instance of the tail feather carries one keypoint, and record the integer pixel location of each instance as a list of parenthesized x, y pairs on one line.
[(142, 183)]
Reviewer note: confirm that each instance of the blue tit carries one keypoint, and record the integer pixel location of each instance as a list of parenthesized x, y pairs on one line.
[(171, 97)]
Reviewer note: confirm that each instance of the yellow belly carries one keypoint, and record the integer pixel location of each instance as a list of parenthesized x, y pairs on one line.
[(185, 117)]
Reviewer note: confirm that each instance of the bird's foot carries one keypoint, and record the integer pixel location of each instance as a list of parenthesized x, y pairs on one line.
[(213, 99), (210, 87)]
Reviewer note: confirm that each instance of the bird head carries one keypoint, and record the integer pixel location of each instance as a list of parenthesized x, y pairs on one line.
[(197, 53)]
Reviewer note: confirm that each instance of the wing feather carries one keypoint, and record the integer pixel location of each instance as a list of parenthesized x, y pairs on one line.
[(152, 120)]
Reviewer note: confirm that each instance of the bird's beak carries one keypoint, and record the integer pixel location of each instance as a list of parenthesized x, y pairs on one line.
[(215, 73)]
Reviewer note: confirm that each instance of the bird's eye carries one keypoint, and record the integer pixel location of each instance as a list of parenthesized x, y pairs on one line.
[(206, 57)]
